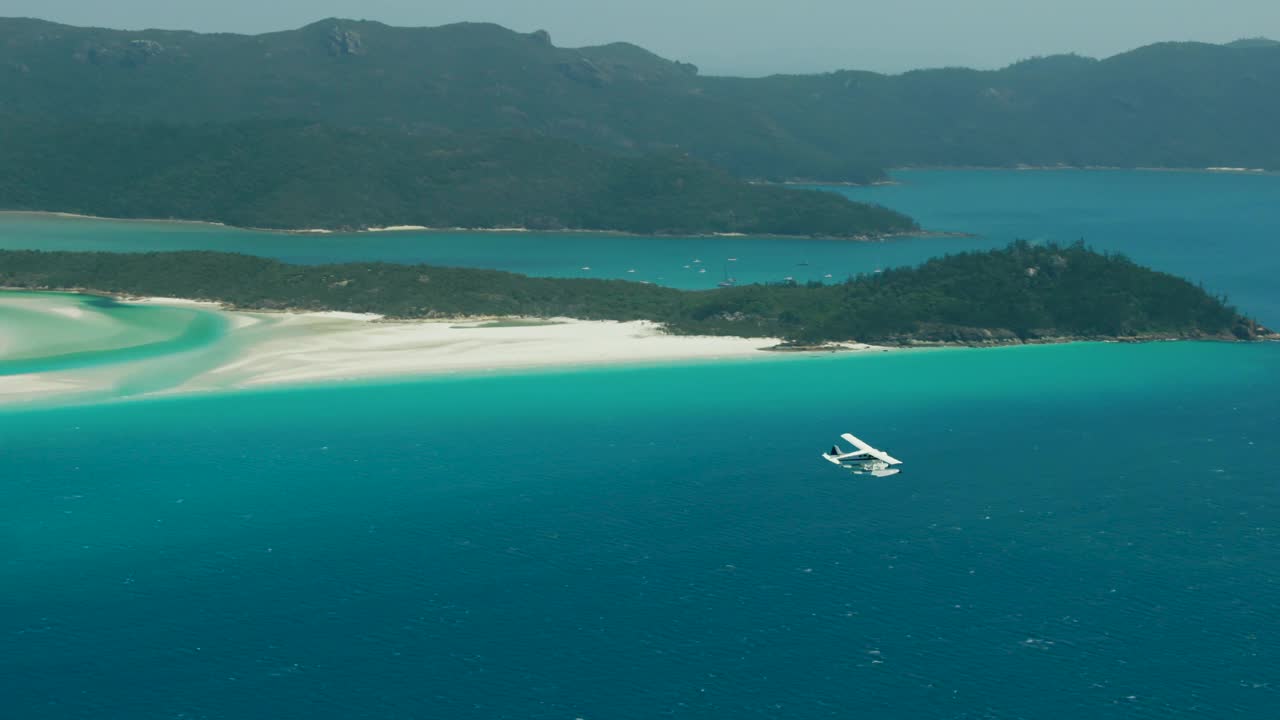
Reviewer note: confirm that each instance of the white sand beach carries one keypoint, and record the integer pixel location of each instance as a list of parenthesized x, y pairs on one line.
[(396, 228), (307, 347), (263, 349)]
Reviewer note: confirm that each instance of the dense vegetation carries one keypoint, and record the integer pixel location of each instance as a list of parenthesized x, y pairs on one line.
[(1182, 105), (1172, 104), (466, 76), (283, 174), (1023, 292)]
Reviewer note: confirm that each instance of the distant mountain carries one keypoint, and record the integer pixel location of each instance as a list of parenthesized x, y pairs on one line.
[(1254, 42), (1171, 104), (289, 174), (1166, 105), (466, 76)]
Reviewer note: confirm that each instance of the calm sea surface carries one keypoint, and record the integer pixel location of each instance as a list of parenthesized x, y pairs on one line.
[(1089, 530)]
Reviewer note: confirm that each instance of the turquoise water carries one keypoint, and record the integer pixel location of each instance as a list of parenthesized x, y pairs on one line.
[(1088, 530), (1082, 531), (101, 332), (1221, 229), (115, 349)]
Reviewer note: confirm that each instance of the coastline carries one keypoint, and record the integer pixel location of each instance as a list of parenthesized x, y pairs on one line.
[(262, 349), (1039, 168), (269, 349), (297, 348), (1020, 168), (920, 232), (485, 230)]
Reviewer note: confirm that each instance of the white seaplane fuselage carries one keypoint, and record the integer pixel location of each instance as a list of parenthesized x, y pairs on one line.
[(863, 459)]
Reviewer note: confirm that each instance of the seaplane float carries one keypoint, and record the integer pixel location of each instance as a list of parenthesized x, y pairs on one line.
[(863, 459)]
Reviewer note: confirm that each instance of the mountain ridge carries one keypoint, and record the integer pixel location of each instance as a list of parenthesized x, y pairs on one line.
[(1163, 105), (545, 37)]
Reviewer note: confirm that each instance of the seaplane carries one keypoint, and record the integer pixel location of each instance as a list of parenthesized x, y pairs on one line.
[(863, 459)]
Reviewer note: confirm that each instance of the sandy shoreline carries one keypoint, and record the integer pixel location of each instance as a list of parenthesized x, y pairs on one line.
[(261, 349), (79, 216), (455, 229), (1038, 168), (310, 347)]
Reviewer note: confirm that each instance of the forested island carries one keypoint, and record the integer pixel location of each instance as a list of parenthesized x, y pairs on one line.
[(1023, 293), (295, 175)]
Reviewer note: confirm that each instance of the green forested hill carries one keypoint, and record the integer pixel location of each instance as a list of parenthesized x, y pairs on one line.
[(1167, 105), (1023, 292), (1172, 104), (466, 76), (282, 174)]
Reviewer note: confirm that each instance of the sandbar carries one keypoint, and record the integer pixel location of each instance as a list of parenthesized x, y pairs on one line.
[(260, 349)]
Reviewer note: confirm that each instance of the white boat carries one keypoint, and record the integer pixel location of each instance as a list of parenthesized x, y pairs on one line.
[(728, 281), (863, 459)]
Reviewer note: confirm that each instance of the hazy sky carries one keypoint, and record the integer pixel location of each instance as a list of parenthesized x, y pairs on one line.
[(744, 36)]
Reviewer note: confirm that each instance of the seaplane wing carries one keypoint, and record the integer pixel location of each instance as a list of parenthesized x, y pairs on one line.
[(865, 449)]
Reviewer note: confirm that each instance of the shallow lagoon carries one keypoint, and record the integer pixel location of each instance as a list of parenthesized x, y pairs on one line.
[(41, 332)]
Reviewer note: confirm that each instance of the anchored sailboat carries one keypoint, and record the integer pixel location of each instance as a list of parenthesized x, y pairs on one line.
[(728, 280)]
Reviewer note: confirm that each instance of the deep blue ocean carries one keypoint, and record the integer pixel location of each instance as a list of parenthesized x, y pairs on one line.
[(1082, 531)]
